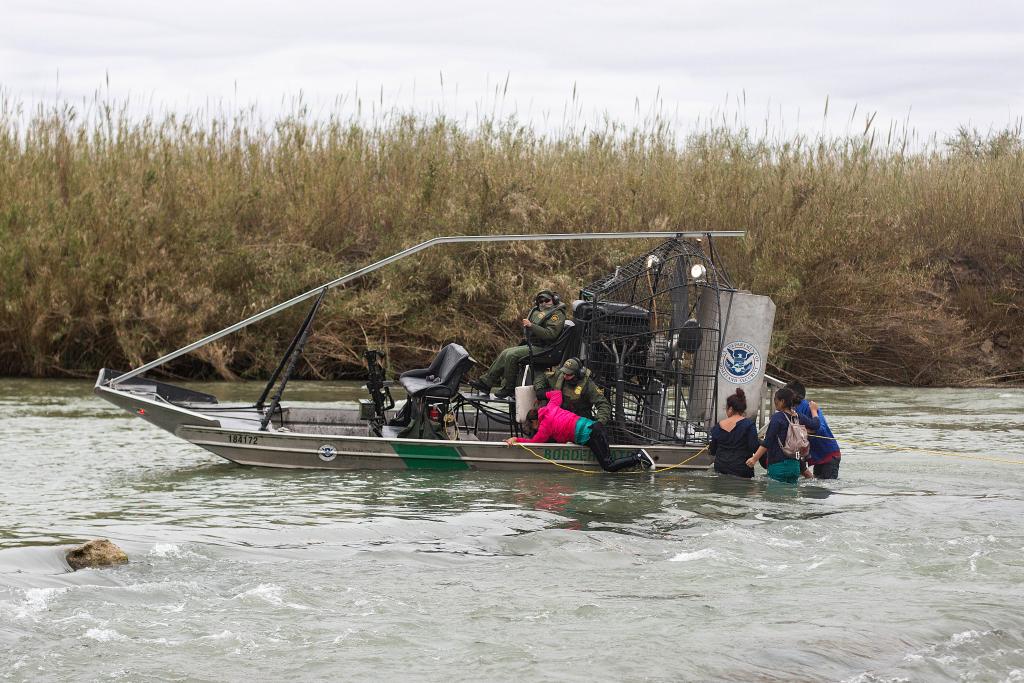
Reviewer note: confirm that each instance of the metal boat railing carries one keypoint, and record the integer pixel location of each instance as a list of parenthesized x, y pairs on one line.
[(764, 405), (455, 239)]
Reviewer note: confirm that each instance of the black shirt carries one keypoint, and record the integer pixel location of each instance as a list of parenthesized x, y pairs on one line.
[(732, 449)]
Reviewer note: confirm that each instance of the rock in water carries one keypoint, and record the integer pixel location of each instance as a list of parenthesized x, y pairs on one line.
[(97, 553)]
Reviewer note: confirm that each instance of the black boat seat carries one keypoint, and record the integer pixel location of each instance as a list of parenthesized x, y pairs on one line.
[(689, 336), (565, 346), (441, 378), (614, 318)]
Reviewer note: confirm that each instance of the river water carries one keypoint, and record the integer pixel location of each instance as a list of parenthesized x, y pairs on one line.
[(907, 568)]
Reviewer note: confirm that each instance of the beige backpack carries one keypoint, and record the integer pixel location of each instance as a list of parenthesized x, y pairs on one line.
[(797, 444)]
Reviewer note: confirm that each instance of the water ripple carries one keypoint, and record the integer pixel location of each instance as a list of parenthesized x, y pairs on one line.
[(905, 569)]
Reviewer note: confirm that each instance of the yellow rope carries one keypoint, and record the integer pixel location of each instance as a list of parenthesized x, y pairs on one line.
[(925, 451), (680, 464), (549, 460), (577, 469)]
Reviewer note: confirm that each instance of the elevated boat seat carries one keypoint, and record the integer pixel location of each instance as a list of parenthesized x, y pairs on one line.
[(441, 378), (565, 346)]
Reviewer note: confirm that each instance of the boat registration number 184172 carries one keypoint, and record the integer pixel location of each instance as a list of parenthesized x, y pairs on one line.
[(248, 439)]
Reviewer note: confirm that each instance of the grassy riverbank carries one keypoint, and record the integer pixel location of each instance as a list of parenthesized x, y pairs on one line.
[(122, 239)]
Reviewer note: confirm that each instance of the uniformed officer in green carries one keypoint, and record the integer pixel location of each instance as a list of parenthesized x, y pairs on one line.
[(580, 392), (542, 327)]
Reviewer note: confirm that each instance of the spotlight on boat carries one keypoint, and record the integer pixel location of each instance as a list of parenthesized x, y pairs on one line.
[(653, 262), (698, 271)]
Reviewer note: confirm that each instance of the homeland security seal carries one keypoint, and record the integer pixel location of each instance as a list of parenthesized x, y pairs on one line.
[(740, 362), (327, 453)]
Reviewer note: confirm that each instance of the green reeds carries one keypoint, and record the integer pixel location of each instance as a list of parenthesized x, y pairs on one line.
[(123, 238)]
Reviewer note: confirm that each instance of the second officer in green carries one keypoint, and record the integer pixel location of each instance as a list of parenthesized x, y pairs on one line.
[(580, 392)]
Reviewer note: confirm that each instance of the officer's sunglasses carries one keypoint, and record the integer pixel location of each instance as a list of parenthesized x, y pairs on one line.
[(544, 300)]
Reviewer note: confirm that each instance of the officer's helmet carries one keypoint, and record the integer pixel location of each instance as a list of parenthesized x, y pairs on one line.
[(546, 295)]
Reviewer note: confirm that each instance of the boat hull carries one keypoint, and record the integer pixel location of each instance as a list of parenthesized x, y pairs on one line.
[(334, 439), (323, 452)]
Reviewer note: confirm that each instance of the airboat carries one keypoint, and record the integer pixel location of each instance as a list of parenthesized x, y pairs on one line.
[(666, 335)]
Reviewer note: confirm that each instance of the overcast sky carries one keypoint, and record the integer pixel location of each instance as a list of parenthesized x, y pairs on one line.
[(936, 64)]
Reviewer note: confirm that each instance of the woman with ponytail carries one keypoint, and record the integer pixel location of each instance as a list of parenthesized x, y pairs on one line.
[(783, 466), (734, 439)]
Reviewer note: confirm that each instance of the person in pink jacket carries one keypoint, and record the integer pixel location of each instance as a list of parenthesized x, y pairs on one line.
[(555, 423)]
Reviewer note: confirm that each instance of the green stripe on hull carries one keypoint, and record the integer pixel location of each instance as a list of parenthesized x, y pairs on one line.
[(418, 456)]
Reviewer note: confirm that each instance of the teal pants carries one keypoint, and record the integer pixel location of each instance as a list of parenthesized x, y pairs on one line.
[(787, 471), (505, 367)]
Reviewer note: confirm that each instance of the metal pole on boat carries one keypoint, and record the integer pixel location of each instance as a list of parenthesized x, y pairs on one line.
[(296, 351), (456, 239), (299, 338)]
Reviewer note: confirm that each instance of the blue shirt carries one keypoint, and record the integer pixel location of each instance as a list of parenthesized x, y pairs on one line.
[(825, 449)]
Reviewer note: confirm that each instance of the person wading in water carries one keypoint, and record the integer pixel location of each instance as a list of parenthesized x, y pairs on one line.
[(783, 466), (734, 439), (824, 455)]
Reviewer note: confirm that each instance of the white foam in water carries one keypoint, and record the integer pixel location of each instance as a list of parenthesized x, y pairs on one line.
[(970, 540), (869, 677), (544, 615), (932, 652), (37, 600), (165, 550), (271, 593), (171, 609), (966, 637), (171, 550), (974, 560), (695, 555), (104, 635), (265, 591), (162, 586), (348, 632), (223, 635)]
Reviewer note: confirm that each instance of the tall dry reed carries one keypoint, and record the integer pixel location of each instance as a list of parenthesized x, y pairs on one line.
[(123, 238)]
